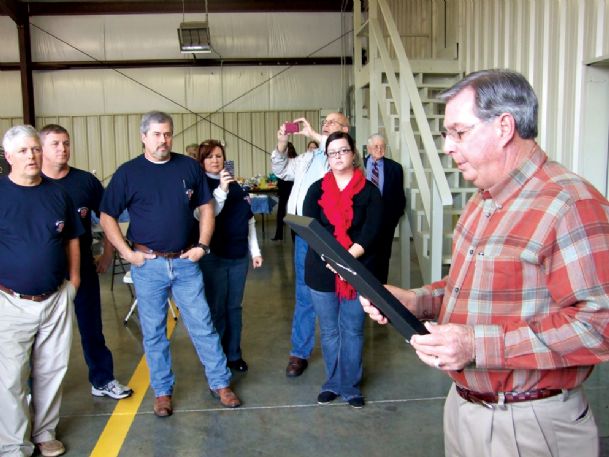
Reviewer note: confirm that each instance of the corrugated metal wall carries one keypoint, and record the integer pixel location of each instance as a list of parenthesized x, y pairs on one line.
[(423, 28), (102, 108), (414, 21), (549, 41), (102, 143)]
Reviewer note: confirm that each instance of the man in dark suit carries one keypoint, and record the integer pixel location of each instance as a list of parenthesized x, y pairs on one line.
[(388, 176)]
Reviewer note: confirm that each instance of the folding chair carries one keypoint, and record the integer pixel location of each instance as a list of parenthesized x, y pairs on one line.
[(128, 280), (118, 267)]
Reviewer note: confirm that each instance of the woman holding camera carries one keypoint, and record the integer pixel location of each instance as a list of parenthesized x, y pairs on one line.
[(225, 268), (349, 207)]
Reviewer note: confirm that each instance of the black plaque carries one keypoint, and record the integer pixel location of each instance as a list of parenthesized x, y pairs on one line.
[(356, 274)]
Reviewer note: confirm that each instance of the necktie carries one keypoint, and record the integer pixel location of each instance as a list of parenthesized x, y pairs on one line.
[(375, 173)]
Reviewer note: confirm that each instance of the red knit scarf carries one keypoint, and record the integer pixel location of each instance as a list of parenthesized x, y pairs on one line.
[(337, 205)]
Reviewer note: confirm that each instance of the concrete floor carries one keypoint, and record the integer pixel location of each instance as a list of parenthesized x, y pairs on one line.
[(279, 416)]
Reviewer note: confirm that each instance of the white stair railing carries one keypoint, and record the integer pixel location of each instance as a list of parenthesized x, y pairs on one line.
[(432, 185)]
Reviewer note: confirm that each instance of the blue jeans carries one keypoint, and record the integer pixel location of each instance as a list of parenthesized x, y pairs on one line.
[(341, 323), (153, 282), (303, 323), (224, 288)]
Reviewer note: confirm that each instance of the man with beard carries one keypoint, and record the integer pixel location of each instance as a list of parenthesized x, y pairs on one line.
[(161, 189)]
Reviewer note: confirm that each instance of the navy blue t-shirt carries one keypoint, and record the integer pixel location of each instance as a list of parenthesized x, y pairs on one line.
[(35, 225), (160, 199), (231, 231), (86, 192)]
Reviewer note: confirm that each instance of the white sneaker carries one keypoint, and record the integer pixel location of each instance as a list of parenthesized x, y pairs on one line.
[(113, 389), (51, 448)]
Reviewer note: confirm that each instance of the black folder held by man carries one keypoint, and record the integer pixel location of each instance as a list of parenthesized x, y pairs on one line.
[(322, 242)]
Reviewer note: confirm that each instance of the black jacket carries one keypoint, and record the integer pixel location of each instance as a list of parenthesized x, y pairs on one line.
[(367, 209), (394, 199)]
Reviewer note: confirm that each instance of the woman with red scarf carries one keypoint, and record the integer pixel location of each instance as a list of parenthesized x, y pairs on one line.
[(349, 207)]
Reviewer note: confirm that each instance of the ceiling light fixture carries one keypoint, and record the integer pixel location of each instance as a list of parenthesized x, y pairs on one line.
[(194, 36)]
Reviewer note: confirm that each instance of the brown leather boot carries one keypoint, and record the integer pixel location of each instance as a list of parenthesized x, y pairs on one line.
[(227, 397), (162, 406), (296, 366)]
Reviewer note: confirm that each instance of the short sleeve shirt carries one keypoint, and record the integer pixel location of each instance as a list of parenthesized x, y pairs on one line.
[(86, 193), (35, 225), (160, 198)]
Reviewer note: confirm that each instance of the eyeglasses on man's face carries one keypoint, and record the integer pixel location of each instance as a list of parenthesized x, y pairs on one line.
[(376, 147), (330, 122), (339, 152), (456, 135)]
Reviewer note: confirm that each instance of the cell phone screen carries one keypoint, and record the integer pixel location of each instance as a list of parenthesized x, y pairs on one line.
[(229, 166), (292, 127)]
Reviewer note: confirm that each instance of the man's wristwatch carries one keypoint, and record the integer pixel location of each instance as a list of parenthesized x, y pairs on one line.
[(205, 248)]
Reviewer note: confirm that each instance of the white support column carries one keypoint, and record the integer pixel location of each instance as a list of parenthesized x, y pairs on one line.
[(405, 251), (358, 91), (546, 83), (375, 75), (519, 66), (600, 27), (579, 76)]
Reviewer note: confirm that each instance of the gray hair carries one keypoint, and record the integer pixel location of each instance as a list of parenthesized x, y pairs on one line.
[(154, 117), (500, 91), (16, 132), (376, 135)]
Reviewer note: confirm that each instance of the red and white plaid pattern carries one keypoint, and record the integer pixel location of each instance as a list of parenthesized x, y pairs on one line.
[(530, 272)]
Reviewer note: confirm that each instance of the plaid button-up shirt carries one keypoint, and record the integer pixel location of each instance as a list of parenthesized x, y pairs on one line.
[(530, 273)]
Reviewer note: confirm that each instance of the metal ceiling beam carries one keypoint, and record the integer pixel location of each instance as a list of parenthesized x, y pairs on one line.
[(25, 66), (12, 8), (71, 8), (158, 63), (18, 13)]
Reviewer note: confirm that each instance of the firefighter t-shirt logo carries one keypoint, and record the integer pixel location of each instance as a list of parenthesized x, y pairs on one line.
[(59, 225), (189, 193), (83, 211)]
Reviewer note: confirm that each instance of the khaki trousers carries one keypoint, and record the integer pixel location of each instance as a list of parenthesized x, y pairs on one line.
[(35, 339), (562, 425)]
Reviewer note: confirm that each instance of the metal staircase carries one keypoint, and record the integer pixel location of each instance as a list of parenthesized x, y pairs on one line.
[(398, 98)]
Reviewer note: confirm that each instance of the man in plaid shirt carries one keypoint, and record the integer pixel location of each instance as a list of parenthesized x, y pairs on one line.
[(523, 315)]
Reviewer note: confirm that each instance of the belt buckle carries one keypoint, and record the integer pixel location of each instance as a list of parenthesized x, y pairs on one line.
[(487, 404)]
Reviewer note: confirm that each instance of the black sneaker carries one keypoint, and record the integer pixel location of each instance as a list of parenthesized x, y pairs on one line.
[(356, 402), (326, 397), (238, 365)]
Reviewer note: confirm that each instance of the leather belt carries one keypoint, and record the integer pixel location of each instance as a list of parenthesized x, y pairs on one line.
[(36, 298), (489, 399), (167, 255)]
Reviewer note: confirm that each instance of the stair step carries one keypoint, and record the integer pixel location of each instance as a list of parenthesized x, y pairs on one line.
[(434, 85), (431, 78)]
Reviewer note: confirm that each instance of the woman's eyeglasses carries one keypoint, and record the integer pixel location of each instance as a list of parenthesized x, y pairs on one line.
[(338, 152)]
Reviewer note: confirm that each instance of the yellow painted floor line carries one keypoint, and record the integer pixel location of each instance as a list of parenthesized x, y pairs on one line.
[(112, 438)]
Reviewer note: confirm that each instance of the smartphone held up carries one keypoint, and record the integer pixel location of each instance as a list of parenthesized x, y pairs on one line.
[(229, 167), (291, 127)]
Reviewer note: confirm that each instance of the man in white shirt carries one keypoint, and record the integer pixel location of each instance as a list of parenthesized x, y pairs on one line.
[(304, 170)]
